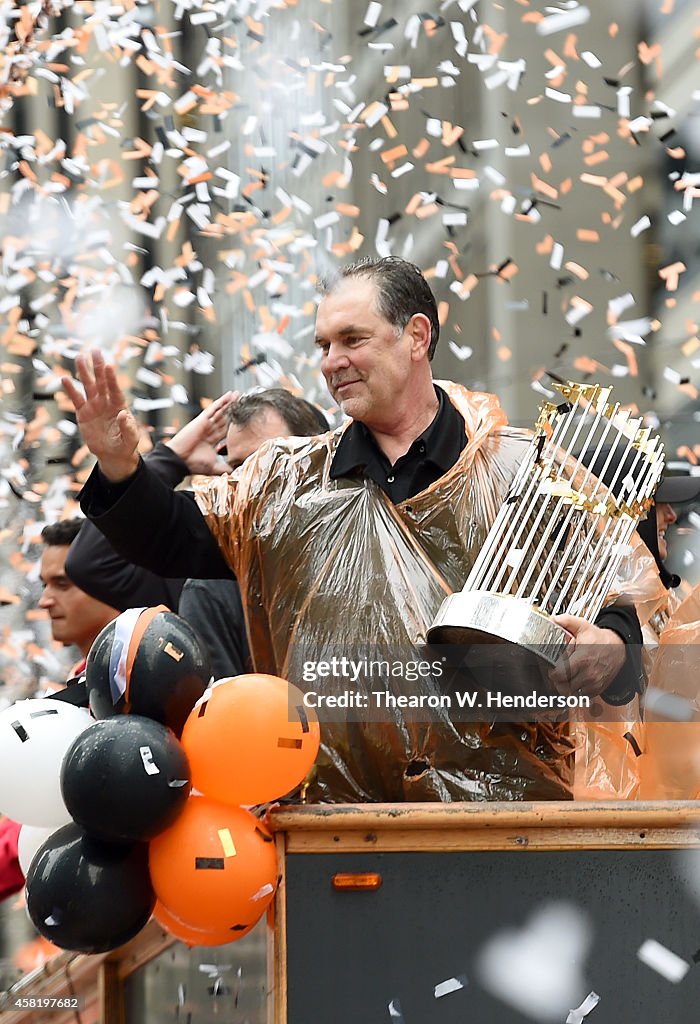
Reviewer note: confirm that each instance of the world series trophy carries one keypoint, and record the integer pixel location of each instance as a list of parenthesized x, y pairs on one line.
[(561, 533)]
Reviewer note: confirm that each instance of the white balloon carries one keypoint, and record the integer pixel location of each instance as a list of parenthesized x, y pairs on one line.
[(34, 737), (29, 840)]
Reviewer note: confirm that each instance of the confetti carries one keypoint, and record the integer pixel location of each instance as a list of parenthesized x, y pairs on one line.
[(589, 1004), (663, 960), (450, 985), (195, 201)]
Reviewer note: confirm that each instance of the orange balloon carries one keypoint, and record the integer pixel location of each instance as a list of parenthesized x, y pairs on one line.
[(194, 936), (215, 869), (249, 739)]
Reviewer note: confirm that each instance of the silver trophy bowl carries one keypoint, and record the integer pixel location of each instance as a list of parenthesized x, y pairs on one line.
[(480, 617)]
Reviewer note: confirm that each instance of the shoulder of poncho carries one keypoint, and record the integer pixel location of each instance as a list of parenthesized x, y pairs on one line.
[(481, 411)]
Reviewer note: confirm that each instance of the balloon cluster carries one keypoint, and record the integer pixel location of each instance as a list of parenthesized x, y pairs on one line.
[(139, 812), (249, 739)]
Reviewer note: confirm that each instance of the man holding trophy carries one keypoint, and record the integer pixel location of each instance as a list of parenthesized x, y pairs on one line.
[(359, 535)]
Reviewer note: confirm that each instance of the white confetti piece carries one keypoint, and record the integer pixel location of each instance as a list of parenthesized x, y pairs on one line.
[(619, 304), (631, 330), (589, 1004), (563, 21), (586, 110), (640, 124), (372, 14), (641, 225), (450, 985), (536, 968), (556, 94), (150, 767), (578, 310), (663, 960), (590, 59), (404, 168), (557, 256), (668, 707), (623, 100)]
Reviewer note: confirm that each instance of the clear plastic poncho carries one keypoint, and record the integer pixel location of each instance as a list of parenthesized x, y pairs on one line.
[(327, 565)]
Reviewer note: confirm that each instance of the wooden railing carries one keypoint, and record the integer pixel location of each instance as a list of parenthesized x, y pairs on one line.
[(97, 981)]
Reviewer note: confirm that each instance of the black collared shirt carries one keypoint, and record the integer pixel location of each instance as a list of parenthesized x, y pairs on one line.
[(430, 456)]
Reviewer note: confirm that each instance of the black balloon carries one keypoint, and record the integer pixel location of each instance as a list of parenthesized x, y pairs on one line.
[(86, 895), (165, 675), (125, 779)]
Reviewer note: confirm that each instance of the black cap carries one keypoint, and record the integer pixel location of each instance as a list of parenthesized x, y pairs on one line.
[(677, 488)]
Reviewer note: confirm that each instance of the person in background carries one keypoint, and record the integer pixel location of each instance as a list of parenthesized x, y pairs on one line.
[(670, 767), (212, 607), (671, 492), (76, 618), (612, 759)]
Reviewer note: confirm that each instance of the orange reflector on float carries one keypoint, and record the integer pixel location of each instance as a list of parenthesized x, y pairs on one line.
[(356, 881)]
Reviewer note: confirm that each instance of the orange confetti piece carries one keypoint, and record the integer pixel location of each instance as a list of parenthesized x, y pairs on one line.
[(332, 179), (577, 270), (584, 364), (390, 156), (587, 235), (629, 354), (543, 187), (413, 204), (388, 126), (569, 49), (671, 273), (648, 53), (440, 166), (508, 272), (468, 285), (427, 211), (451, 133), (596, 158)]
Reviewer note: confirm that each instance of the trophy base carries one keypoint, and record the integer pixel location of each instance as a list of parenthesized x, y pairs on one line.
[(478, 617)]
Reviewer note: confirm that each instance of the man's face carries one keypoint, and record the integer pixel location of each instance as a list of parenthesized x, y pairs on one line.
[(76, 618), (366, 365), (243, 441), (665, 517)]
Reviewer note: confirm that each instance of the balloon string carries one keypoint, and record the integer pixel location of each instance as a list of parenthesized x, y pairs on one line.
[(71, 990)]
